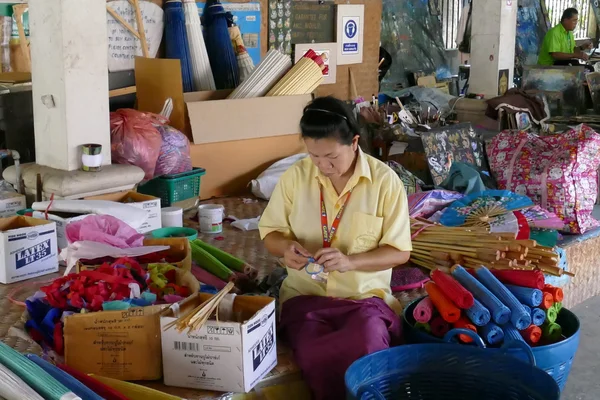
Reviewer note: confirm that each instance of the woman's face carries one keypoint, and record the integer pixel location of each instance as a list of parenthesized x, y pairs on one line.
[(331, 157)]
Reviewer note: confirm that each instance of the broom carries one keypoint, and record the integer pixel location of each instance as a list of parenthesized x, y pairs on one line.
[(176, 41), (244, 61), (218, 46), (202, 75)]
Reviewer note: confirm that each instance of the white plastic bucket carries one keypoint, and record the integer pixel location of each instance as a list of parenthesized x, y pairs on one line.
[(171, 217), (210, 217)]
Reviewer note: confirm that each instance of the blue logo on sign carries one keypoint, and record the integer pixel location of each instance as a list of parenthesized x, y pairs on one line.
[(350, 29)]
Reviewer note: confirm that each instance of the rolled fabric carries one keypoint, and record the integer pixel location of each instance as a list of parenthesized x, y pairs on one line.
[(532, 334), (529, 297), (478, 314), (453, 289), (538, 316), (423, 311), (551, 315), (556, 292), (551, 332), (464, 323), (445, 307), (547, 301), (492, 333), (511, 333), (530, 279), (438, 326), (558, 306), (499, 312), (520, 318), (423, 326)]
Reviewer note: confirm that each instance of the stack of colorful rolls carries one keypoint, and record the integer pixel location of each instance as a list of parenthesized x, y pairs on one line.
[(495, 304)]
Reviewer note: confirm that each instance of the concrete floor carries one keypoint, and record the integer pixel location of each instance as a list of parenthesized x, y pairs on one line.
[(584, 380)]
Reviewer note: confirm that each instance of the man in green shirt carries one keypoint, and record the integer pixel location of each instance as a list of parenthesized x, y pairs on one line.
[(559, 46)]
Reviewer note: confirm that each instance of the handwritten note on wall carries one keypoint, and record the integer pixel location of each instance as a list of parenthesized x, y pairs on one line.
[(312, 22), (123, 46)]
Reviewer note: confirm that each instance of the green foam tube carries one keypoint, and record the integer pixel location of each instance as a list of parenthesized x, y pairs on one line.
[(423, 326), (552, 332), (210, 263)]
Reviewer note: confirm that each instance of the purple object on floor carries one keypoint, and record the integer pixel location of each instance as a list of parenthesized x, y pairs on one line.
[(407, 278), (328, 334)]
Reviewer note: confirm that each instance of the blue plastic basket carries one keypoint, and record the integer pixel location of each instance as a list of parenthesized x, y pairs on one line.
[(450, 372), (556, 359)]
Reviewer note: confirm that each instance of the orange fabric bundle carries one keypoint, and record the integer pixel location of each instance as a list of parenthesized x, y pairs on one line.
[(445, 307), (464, 323), (556, 292), (532, 335), (547, 301)]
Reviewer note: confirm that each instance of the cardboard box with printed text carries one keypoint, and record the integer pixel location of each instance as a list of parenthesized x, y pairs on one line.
[(222, 355), (145, 202), (28, 248), (125, 344)]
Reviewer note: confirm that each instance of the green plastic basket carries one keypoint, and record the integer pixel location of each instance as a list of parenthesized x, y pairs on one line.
[(174, 188)]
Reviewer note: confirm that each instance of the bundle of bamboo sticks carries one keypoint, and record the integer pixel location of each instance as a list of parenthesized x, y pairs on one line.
[(197, 317), (303, 78), (435, 245)]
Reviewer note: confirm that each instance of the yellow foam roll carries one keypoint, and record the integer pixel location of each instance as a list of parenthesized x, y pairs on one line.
[(133, 391)]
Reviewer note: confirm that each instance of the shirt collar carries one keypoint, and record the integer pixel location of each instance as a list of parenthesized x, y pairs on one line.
[(361, 170), (562, 29)]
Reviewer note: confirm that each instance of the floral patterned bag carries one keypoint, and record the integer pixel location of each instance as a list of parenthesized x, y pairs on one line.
[(558, 172)]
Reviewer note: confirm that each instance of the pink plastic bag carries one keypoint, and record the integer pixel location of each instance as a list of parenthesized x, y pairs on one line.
[(135, 140), (104, 229), (556, 172)]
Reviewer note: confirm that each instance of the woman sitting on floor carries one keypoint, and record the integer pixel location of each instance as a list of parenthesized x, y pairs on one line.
[(346, 211)]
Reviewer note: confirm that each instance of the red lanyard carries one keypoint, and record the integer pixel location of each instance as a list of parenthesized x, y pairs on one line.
[(328, 234)]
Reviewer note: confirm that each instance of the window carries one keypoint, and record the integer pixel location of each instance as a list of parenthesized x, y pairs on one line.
[(451, 11), (586, 27)]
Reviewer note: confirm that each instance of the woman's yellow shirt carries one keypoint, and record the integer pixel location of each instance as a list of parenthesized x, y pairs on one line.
[(375, 215)]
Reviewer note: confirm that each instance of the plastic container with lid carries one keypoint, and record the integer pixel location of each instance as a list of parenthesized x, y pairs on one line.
[(172, 217)]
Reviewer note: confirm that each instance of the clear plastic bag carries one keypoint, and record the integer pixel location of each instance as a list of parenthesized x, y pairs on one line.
[(174, 157), (135, 140)]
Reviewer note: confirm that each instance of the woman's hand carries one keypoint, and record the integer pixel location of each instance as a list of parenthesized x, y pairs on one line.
[(333, 260), (296, 256)]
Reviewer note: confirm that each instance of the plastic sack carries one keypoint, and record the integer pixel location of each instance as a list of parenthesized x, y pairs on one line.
[(104, 229), (135, 140), (263, 186), (174, 157)]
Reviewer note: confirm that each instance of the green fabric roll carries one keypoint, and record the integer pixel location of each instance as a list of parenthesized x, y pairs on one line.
[(551, 314), (552, 332), (558, 306), (423, 327)]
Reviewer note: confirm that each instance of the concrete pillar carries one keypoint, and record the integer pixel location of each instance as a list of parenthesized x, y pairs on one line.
[(493, 30), (70, 80)]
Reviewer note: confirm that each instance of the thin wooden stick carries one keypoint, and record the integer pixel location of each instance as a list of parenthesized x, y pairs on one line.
[(120, 19), (141, 29)]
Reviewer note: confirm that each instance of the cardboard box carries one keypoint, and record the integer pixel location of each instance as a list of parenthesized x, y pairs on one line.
[(28, 248), (125, 344), (142, 201), (222, 356), (214, 118), (61, 220), (10, 203)]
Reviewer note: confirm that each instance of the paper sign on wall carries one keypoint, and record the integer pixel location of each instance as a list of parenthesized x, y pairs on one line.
[(350, 32)]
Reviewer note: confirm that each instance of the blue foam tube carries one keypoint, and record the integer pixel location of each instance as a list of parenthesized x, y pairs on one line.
[(519, 317), (478, 314), (511, 333), (527, 308), (527, 296), (492, 333), (67, 380), (538, 316), (499, 312)]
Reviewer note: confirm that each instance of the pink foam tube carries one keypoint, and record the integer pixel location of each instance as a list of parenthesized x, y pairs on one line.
[(207, 278), (423, 311)]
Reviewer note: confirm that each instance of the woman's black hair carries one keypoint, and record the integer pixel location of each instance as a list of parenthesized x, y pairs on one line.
[(569, 13), (328, 117)]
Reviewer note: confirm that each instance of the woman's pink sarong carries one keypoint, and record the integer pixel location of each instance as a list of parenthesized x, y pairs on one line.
[(328, 334)]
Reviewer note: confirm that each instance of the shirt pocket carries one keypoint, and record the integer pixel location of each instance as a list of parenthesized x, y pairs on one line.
[(365, 233)]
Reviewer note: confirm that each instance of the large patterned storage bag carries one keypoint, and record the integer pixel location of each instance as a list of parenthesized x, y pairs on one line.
[(558, 172)]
